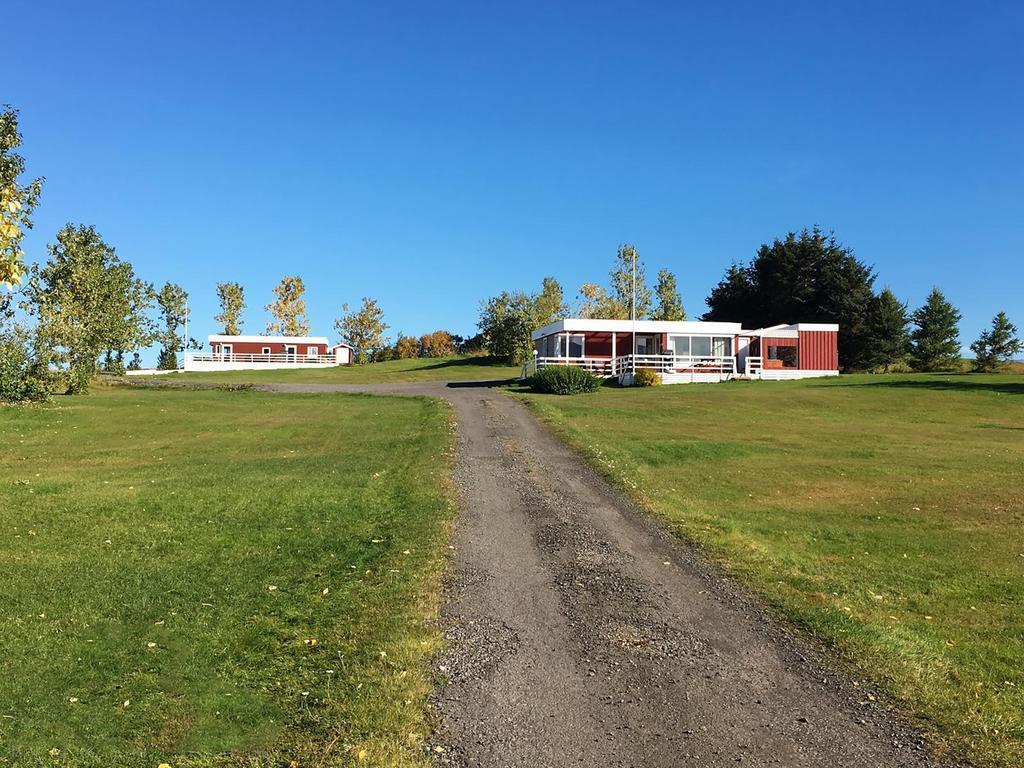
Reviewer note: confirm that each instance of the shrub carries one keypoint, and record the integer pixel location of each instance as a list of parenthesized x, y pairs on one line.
[(21, 378), (564, 380), (645, 377)]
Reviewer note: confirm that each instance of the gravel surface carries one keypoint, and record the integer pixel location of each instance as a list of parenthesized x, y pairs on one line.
[(582, 635)]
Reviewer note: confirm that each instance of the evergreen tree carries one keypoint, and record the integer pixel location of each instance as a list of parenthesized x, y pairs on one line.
[(997, 345), (935, 340), (670, 303), (807, 277), (888, 337)]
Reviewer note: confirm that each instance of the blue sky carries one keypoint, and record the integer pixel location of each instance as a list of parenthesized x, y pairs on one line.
[(431, 155)]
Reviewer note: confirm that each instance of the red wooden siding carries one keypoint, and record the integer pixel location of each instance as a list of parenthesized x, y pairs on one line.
[(818, 351), (276, 348)]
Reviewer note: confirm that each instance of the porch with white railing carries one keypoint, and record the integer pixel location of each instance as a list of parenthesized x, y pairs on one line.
[(672, 368), (228, 361)]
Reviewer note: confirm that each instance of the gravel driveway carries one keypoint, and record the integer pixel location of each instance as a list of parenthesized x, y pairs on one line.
[(582, 635)]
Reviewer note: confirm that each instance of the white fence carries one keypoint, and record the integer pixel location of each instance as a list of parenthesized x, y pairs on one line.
[(216, 361)]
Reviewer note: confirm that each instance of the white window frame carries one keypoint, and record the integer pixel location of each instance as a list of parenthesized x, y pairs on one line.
[(312, 351), (226, 350), (266, 350)]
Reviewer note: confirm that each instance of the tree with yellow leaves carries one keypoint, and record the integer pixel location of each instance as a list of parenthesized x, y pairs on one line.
[(17, 200), (288, 308)]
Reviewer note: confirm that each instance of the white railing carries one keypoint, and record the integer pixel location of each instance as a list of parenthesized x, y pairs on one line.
[(669, 364), (252, 357), (753, 365), (599, 366)]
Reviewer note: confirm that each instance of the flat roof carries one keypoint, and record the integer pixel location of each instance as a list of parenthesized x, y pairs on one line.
[(582, 324), (220, 337), (642, 326)]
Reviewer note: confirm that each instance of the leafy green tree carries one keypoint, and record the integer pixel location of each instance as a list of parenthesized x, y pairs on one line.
[(622, 278), (17, 200), (23, 373), (288, 308), (506, 322), (232, 304), (806, 277), (172, 300), (549, 304), (888, 337), (87, 301), (935, 340), (594, 302), (670, 303), (364, 329), (997, 345)]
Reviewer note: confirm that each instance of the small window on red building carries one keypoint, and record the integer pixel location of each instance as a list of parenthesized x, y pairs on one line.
[(786, 354)]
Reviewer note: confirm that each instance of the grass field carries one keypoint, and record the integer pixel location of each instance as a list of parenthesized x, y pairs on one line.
[(469, 368), (883, 513), (219, 578)]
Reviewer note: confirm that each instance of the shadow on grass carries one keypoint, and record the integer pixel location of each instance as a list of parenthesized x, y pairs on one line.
[(954, 382), (475, 362), (490, 383)]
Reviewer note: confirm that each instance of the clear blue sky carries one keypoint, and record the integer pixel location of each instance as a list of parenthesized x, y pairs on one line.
[(433, 154)]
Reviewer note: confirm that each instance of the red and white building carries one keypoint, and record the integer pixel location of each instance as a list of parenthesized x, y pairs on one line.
[(688, 350), (236, 353)]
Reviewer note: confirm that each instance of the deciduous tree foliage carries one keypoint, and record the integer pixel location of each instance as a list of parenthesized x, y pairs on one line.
[(232, 304), (889, 339), (807, 277), (364, 329), (17, 200), (172, 300), (997, 345), (406, 347), (670, 303), (437, 344), (507, 320), (87, 301), (288, 308), (935, 340), (614, 303)]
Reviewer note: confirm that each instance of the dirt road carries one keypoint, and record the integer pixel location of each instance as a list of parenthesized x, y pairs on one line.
[(581, 635)]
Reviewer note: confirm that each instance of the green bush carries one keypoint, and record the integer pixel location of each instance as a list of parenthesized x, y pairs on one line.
[(21, 378), (645, 377), (564, 380)]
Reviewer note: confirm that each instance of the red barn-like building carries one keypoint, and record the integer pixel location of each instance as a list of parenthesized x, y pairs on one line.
[(260, 352)]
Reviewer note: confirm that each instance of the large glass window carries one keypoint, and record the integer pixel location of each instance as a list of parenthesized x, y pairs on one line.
[(680, 345), (576, 345), (722, 346), (787, 355), (700, 346)]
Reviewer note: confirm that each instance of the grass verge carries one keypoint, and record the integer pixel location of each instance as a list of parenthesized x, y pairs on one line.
[(883, 513), (220, 577), (465, 368)]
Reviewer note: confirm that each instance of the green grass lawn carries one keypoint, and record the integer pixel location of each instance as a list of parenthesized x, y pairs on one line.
[(883, 513), (219, 578), (468, 368)]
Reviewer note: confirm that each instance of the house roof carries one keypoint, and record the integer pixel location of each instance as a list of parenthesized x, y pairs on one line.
[(642, 326), (222, 338), (582, 324)]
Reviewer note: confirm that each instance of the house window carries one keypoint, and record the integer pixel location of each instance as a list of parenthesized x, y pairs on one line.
[(576, 344), (786, 354), (680, 345), (721, 346), (700, 346), (266, 350), (311, 351), (557, 345)]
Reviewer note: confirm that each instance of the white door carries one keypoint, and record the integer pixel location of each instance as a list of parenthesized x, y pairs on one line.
[(290, 352), (225, 350), (742, 349)]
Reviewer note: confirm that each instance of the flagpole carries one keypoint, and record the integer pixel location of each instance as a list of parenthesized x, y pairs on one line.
[(632, 313), (184, 341)]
